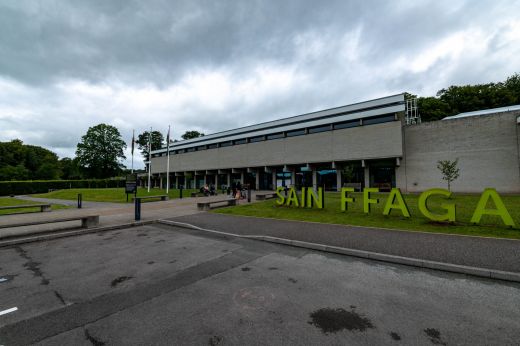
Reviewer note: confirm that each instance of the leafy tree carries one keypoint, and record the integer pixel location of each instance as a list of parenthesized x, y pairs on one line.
[(100, 150), (70, 169), (432, 108), (192, 134), (18, 172), (449, 170), (142, 142)]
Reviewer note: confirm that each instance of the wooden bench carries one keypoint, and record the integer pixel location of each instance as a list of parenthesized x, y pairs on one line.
[(264, 196), (221, 203), (162, 197), (356, 186), (43, 207), (87, 221)]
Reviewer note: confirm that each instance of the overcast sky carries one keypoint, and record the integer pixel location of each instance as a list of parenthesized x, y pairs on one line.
[(216, 65)]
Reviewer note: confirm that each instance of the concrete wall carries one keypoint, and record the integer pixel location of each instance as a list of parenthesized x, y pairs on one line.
[(487, 147), (364, 142)]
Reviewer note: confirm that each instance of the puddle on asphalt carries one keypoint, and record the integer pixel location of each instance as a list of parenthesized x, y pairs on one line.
[(293, 280), (334, 320), (246, 269), (395, 336)]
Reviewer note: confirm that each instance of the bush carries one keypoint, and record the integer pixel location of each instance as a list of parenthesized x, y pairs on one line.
[(41, 186)]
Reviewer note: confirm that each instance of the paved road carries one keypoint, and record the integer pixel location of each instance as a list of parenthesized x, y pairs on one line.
[(167, 286), (498, 254)]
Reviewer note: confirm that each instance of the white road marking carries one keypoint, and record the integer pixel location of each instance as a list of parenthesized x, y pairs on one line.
[(2, 280), (8, 311)]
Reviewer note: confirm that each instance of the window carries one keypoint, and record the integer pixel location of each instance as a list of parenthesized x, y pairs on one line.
[(240, 141), (379, 119), (346, 124), (275, 136), (226, 144), (295, 133), (256, 139), (213, 146), (181, 151), (190, 150), (201, 147), (319, 129)]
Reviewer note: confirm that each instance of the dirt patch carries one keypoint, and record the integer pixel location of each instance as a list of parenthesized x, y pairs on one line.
[(120, 279), (151, 262), (334, 320), (246, 269)]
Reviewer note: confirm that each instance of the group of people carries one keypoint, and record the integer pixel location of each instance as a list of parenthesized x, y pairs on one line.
[(208, 190), (236, 190)]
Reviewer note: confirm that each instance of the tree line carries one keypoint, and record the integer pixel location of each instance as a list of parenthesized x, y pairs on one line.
[(98, 155), (101, 150), (468, 98)]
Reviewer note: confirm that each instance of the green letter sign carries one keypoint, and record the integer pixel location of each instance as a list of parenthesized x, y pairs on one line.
[(345, 199), (367, 200), (450, 208), (395, 194), (499, 211)]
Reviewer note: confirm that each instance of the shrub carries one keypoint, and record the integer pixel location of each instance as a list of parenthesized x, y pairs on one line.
[(42, 186)]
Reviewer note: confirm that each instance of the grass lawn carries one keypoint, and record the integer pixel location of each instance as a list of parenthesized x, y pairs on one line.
[(116, 195), (8, 201), (491, 226)]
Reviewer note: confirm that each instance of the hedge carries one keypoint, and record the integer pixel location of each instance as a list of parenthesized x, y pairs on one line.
[(41, 186)]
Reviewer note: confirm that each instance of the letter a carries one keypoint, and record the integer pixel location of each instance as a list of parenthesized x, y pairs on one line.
[(499, 211), (395, 195)]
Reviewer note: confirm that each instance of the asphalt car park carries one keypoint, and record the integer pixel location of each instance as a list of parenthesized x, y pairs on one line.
[(165, 285)]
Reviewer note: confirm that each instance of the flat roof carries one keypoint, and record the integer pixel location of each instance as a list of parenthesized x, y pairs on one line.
[(365, 109), (484, 112)]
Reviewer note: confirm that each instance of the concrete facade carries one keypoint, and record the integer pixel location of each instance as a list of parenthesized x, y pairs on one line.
[(487, 147), (384, 151)]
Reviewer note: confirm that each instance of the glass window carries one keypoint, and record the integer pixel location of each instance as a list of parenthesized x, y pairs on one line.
[(319, 129), (379, 119), (275, 136), (190, 150), (213, 146), (226, 144), (182, 151), (346, 124), (256, 139), (295, 133), (241, 141), (201, 147)]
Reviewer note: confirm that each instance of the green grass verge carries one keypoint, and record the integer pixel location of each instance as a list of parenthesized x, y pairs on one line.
[(115, 195), (8, 201), (491, 226)]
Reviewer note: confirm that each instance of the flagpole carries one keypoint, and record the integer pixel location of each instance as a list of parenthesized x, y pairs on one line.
[(133, 141), (149, 158), (168, 160)]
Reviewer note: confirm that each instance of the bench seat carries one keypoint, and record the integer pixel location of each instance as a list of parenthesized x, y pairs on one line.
[(220, 203), (162, 197)]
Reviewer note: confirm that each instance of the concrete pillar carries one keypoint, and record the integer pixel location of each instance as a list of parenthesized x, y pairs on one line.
[(257, 180), (177, 181), (205, 179), (314, 179), (242, 177), (160, 182), (229, 179), (274, 179), (338, 179), (367, 176)]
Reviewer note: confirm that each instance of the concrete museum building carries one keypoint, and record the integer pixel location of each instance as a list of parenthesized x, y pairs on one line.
[(377, 143)]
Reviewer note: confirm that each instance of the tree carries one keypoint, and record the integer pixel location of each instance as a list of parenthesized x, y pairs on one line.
[(70, 169), (142, 142), (191, 134), (100, 150), (449, 170)]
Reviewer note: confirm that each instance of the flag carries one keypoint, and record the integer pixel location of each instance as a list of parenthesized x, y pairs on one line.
[(133, 141)]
